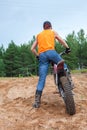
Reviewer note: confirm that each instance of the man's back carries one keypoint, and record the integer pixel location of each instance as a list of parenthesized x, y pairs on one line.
[(46, 40)]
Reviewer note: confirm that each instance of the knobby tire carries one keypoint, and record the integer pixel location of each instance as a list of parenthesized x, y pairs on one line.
[(68, 96)]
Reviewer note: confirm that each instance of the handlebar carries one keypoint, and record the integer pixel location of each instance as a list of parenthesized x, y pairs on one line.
[(63, 53)]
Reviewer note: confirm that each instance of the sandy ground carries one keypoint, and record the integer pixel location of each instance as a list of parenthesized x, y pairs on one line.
[(17, 97)]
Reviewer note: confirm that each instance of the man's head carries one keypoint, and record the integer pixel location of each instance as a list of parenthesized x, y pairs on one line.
[(47, 25)]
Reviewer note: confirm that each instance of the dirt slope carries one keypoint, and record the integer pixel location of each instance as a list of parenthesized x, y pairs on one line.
[(17, 96)]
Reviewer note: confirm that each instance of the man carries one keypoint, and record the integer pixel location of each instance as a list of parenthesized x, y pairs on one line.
[(45, 41)]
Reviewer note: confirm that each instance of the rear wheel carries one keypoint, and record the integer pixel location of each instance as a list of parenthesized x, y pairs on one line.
[(68, 96)]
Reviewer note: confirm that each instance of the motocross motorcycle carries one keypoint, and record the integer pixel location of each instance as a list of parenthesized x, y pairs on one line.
[(64, 83)]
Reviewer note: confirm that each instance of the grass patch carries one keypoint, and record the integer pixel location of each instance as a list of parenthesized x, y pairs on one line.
[(79, 71)]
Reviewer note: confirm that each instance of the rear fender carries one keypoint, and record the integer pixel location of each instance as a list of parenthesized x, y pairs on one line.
[(60, 65)]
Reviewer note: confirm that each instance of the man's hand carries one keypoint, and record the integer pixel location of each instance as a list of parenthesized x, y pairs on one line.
[(68, 50), (37, 57)]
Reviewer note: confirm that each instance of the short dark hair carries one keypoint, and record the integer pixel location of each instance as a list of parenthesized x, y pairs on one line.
[(47, 25)]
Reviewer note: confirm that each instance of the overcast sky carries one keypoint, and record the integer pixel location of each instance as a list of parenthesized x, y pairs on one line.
[(21, 19)]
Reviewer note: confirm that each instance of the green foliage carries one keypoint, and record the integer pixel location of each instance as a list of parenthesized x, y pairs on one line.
[(82, 49), (72, 59), (2, 68), (2, 65), (10, 59)]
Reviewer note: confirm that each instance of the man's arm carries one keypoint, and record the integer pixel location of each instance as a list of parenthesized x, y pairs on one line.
[(61, 40), (33, 48)]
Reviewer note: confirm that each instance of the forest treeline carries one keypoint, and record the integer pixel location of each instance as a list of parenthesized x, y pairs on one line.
[(16, 61)]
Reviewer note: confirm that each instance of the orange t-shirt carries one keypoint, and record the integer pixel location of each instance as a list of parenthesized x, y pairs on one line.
[(46, 40)]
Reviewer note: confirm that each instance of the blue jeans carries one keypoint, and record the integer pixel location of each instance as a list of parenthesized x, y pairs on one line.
[(44, 61)]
